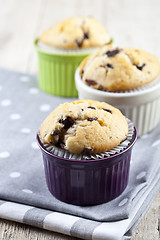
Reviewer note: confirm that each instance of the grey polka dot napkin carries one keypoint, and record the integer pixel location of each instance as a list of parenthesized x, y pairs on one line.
[(24, 196)]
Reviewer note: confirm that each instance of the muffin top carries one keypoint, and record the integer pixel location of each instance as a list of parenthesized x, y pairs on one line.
[(84, 127), (117, 69), (75, 33)]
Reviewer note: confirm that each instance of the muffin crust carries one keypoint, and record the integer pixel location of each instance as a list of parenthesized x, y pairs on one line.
[(117, 69), (75, 33), (84, 126)]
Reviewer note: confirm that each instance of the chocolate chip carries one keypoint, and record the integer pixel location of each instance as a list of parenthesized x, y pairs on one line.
[(92, 108), (112, 53), (92, 119), (107, 110), (68, 122), (110, 65), (56, 132), (86, 35), (87, 151), (60, 143), (91, 82), (141, 67), (82, 109), (79, 42)]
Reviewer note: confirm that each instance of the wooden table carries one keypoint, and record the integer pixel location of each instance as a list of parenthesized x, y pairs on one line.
[(131, 23)]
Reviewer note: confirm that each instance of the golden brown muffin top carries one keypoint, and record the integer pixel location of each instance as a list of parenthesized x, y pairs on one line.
[(83, 126), (116, 69), (75, 33)]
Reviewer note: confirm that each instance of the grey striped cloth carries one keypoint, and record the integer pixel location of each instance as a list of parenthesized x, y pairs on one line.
[(24, 196)]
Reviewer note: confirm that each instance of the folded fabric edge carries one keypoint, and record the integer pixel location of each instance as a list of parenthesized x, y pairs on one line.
[(54, 221), (142, 210), (140, 197), (73, 225)]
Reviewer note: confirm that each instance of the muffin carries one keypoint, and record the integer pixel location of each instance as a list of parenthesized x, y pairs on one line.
[(126, 78), (84, 125), (86, 142), (76, 33), (62, 48)]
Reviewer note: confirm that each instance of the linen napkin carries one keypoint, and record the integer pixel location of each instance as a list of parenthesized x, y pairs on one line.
[(24, 196)]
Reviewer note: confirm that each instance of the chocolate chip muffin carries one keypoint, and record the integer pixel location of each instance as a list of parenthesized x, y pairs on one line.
[(84, 127), (117, 69), (76, 33)]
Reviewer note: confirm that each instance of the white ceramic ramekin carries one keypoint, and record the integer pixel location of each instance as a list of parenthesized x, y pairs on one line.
[(141, 105)]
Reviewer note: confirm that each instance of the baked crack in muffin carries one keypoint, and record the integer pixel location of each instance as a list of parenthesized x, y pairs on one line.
[(84, 127), (75, 33), (119, 69)]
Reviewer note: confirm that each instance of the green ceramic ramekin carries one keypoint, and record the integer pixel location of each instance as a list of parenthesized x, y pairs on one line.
[(56, 71)]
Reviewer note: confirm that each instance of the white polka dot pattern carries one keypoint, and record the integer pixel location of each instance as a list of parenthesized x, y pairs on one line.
[(156, 143), (141, 175), (34, 145), (24, 78), (4, 154), (123, 202), (15, 174), (25, 130), (27, 191), (33, 90), (15, 116), (5, 103), (144, 136), (45, 107)]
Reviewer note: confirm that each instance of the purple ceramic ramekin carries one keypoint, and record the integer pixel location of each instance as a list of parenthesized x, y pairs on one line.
[(87, 182)]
